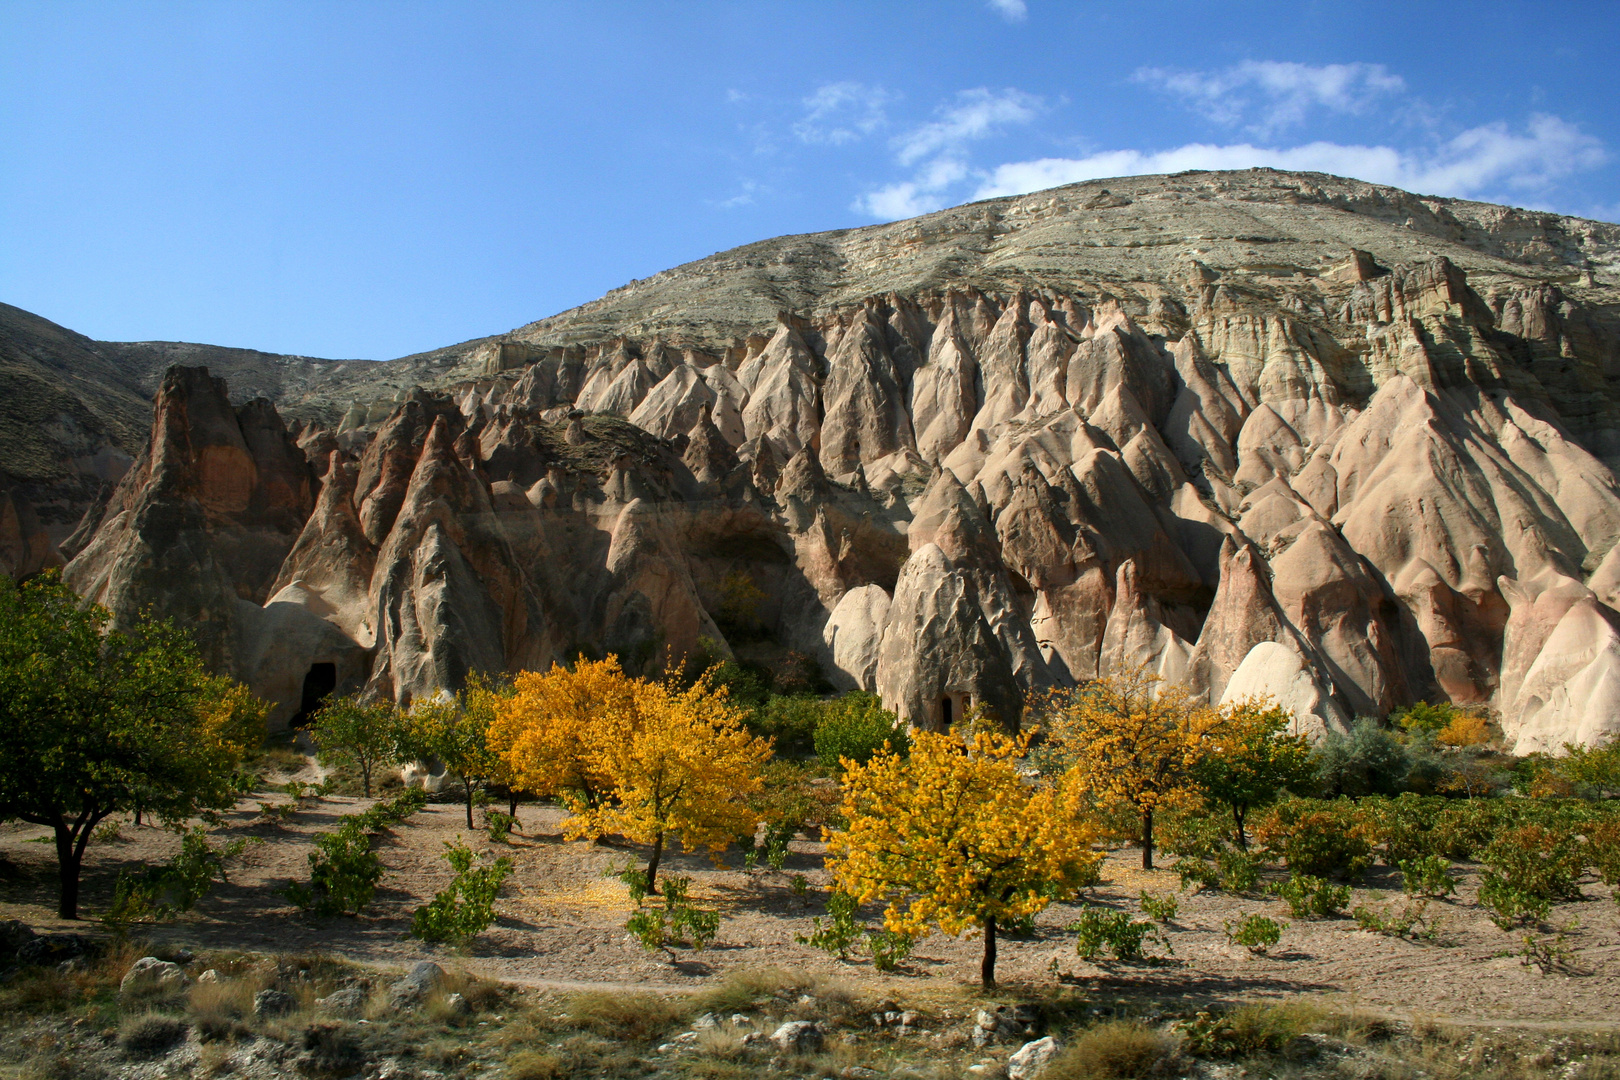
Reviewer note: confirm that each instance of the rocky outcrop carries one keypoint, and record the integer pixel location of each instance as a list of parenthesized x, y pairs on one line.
[(956, 460)]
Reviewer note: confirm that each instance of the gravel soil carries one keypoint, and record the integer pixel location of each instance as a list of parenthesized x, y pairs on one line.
[(561, 925)]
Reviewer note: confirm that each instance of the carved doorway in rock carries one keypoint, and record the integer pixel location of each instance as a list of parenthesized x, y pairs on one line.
[(319, 683)]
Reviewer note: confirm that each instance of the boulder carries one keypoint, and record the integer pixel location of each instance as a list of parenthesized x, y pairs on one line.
[(149, 974), (799, 1037), (408, 992), (1028, 1060), (268, 1004)]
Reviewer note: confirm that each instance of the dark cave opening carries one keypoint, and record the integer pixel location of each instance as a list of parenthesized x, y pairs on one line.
[(319, 683)]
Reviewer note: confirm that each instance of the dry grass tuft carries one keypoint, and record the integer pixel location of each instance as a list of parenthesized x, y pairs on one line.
[(631, 1017), (150, 1034), (1118, 1050), (535, 1065)]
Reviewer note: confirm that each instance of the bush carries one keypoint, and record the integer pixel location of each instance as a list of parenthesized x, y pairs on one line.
[(1098, 929), (857, 726), (1367, 761), (1537, 860), (1509, 907), (161, 892), (675, 922), (888, 948), (791, 721), (498, 825), (1322, 839), (1161, 909), (842, 932), (1429, 875), (1410, 921), (1257, 933), (343, 870), (1312, 897), (465, 909)]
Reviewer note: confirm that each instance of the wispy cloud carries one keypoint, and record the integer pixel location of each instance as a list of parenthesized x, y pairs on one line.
[(1267, 96), (1014, 11), (1479, 161), (937, 150), (843, 112)]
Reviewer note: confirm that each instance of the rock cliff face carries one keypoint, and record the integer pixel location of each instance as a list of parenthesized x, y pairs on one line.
[(1268, 433)]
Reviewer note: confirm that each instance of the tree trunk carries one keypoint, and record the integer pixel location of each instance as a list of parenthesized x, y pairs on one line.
[(365, 778), (652, 865), (987, 966), (511, 806), (1147, 839), (1237, 818), (466, 782), (69, 859)]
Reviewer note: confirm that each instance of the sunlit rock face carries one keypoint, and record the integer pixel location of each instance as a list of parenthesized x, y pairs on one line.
[(1264, 433)]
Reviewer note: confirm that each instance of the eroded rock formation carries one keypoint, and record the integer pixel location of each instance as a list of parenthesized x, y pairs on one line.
[(1316, 439)]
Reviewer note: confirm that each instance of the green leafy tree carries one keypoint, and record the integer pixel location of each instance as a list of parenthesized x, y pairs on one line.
[(856, 726), (366, 735), (453, 732), (1251, 759), (97, 721)]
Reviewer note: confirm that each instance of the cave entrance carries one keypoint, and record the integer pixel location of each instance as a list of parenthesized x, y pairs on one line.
[(945, 717), (319, 683)]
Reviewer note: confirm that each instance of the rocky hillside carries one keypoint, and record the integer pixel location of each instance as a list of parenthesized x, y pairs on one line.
[(1265, 432)]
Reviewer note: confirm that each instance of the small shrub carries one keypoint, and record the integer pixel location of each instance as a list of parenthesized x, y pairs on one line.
[(498, 825), (1311, 897), (343, 873), (1099, 929), (1411, 921), (1536, 860), (1428, 875), (1257, 933), (855, 727), (842, 932), (464, 910), (1509, 907), (1320, 839), (677, 921), (150, 1034), (888, 948), (1161, 909), (1112, 1051), (162, 892), (1550, 954), (1197, 872), (1239, 871)]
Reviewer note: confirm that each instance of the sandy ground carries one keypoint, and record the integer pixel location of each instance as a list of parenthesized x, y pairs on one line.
[(561, 925)]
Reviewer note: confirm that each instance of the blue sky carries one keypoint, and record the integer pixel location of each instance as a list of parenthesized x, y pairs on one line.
[(370, 180)]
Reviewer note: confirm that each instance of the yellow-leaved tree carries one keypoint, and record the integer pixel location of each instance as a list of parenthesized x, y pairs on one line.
[(550, 731), (952, 836), (1129, 739), (681, 764)]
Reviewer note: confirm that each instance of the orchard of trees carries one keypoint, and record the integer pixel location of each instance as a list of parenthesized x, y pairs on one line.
[(972, 831)]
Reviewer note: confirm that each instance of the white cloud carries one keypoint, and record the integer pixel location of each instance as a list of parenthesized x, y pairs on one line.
[(976, 114), (1277, 94), (922, 195), (1478, 161), (1014, 11), (843, 112)]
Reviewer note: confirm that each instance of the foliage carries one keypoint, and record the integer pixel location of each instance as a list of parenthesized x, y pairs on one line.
[(1467, 730), (1257, 933), (1125, 739), (888, 948), (1312, 897), (1550, 954), (789, 721), (1367, 761), (1537, 860), (454, 732), (551, 730), (364, 734), (1323, 839), (677, 920), (1422, 716), (856, 726), (953, 837), (841, 933), (344, 871), (1428, 875), (96, 720), (464, 910), (162, 892), (1161, 909), (498, 826), (1594, 767), (1509, 907), (1098, 929), (681, 764), (1248, 760), (1603, 848), (1411, 921), (737, 613)]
